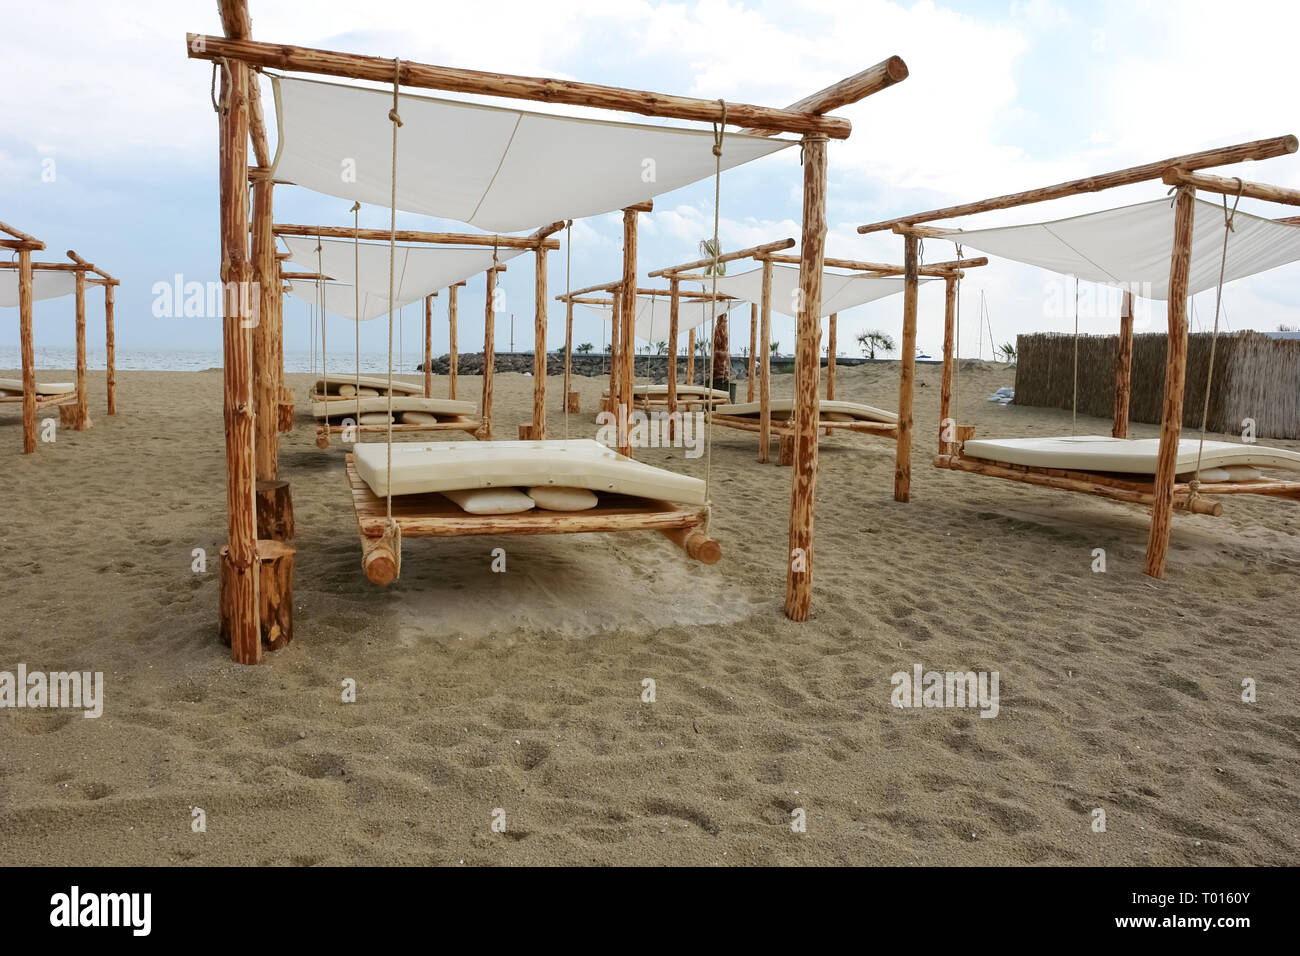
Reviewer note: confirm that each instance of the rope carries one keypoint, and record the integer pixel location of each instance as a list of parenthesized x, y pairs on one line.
[(392, 259), (325, 375), (719, 135), (568, 269), (1074, 401), (1228, 227), (356, 301), (956, 345)]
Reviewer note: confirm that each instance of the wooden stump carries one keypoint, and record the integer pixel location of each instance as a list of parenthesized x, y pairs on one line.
[(696, 543), (284, 411), (787, 448), (575, 402), (525, 432), (322, 437), (70, 417), (274, 510), (275, 598)]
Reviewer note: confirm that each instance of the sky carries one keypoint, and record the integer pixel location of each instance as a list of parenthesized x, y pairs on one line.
[(109, 141)]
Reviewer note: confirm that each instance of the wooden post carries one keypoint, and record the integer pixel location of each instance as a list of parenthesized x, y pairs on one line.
[(1123, 368), (907, 370), (489, 356), (28, 349), (799, 559), (674, 318), (428, 345), (453, 360), (239, 583), (110, 348), (830, 360), (765, 365), (945, 390), (615, 324), (721, 374), (627, 332), (690, 358), (81, 419), (1171, 422), (275, 594), (753, 351), (539, 347), (568, 356), (274, 510), (266, 393)]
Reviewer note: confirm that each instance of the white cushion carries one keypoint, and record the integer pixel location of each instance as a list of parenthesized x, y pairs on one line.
[(552, 498), (374, 418), (419, 418), (491, 501)]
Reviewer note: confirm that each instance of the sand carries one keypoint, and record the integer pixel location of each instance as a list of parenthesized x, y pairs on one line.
[(522, 691)]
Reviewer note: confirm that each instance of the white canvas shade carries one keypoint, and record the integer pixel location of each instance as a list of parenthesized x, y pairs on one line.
[(653, 313), (46, 284), (840, 291), (501, 169), (1131, 246)]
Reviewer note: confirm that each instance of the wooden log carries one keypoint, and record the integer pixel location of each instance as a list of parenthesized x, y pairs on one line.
[(830, 360), (274, 510), (110, 348), (275, 595), (803, 484), (285, 409), (765, 364), (1171, 421), (489, 358), (31, 242), (428, 345), (720, 375), (575, 402), (525, 432), (939, 270), (906, 374), (1123, 369), (485, 240), (751, 366), (674, 318), (453, 360), (725, 257), (848, 90), (787, 448), (539, 346), (615, 366), (425, 76), (696, 543), (81, 411), (1231, 187), (945, 389), (627, 333), (1224, 156), (690, 356), (380, 559), (266, 394), (240, 585)]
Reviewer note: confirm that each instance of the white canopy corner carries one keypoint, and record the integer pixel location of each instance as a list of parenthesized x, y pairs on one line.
[(840, 291), (652, 315), (46, 284)]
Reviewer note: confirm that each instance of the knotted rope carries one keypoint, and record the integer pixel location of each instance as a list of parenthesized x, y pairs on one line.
[(356, 302), (392, 533), (719, 135)]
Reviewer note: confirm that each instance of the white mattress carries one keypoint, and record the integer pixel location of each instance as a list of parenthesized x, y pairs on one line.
[(1125, 456), (783, 407), (576, 463), (42, 388), (661, 391), (368, 381), (343, 407)]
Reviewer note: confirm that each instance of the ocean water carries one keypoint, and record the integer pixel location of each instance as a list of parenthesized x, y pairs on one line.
[(199, 360)]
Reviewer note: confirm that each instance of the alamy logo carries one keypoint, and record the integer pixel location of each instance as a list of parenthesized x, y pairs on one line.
[(73, 909), (946, 689), (653, 430), (81, 690)]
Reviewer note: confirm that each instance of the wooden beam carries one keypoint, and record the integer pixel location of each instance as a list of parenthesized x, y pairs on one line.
[(1231, 187), (935, 269), (830, 358), (615, 337), (1290, 220), (627, 334), (266, 393), (453, 359), (298, 59), (311, 276), (674, 319), (428, 345), (751, 252), (33, 244), (110, 347), (619, 285), (238, 25), (489, 355), (907, 372), (803, 484), (485, 240), (1123, 369), (752, 364), (240, 583), (690, 357), (80, 418), (1224, 156), (49, 266), (27, 346), (946, 419), (848, 91), (1171, 421), (539, 346)]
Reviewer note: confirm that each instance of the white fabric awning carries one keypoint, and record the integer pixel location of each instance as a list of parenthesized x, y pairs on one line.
[(840, 291), (652, 315), (341, 300), (417, 269), (45, 285), (503, 170), (1131, 246)]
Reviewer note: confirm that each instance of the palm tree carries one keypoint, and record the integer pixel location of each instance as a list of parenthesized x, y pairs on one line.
[(661, 348), (584, 348), (875, 340), (774, 348), (1007, 351)]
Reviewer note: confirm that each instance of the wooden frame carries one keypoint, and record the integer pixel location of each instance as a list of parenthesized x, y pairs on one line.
[(1163, 493), (240, 116), (433, 515)]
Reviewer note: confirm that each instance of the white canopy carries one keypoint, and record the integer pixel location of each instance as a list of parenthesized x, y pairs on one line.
[(500, 169), (417, 270), (341, 300), (45, 285), (652, 315), (1131, 246), (839, 291)]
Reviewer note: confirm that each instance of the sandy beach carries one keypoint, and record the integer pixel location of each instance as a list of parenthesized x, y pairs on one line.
[(522, 692)]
